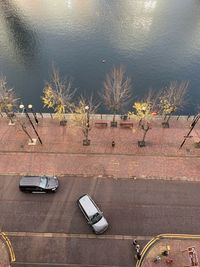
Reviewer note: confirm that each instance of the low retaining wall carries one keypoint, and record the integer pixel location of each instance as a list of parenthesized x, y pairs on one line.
[(107, 117)]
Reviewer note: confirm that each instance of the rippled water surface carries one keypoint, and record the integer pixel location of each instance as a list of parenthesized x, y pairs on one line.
[(157, 40)]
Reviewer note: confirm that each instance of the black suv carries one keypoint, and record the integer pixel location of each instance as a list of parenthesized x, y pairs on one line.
[(38, 184)]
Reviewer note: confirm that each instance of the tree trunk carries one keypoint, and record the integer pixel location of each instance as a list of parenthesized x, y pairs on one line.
[(86, 141), (168, 118), (10, 116), (113, 123), (165, 123), (114, 115), (145, 129), (145, 132)]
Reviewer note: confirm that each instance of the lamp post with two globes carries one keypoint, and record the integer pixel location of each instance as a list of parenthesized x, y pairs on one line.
[(86, 142), (34, 114)]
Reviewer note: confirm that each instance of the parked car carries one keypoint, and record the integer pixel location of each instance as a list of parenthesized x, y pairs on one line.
[(92, 214), (38, 184)]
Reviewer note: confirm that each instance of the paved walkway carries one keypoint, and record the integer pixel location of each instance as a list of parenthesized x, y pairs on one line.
[(62, 151), (178, 250)]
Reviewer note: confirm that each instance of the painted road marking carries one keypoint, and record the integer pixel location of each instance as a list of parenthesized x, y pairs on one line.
[(93, 236), (83, 236), (61, 264)]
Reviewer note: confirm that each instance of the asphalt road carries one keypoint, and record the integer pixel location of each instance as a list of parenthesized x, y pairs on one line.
[(139, 208)]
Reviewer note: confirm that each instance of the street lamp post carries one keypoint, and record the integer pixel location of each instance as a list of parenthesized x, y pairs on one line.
[(144, 125), (86, 142), (34, 114), (28, 117), (88, 117), (194, 122)]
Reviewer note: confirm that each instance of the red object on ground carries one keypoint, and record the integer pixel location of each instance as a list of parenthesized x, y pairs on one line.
[(169, 261)]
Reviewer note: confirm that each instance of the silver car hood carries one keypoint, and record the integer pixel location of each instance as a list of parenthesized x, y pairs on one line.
[(100, 226)]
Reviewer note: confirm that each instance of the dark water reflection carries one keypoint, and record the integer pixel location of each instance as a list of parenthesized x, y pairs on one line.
[(157, 40), (19, 33)]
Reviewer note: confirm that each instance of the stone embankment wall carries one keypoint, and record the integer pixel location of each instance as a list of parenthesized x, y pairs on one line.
[(107, 117)]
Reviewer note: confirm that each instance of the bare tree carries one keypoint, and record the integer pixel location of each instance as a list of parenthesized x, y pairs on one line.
[(8, 104), (58, 95), (172, 98), (8, 100), (143, 112), (81, 117), (116, 91)]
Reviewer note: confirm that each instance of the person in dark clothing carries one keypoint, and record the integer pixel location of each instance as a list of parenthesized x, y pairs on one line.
[(135, 242), (165, 253), (138, 256)]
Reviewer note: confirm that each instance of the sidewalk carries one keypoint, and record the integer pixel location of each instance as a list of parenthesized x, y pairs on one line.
[(183, 251), (62, 151)]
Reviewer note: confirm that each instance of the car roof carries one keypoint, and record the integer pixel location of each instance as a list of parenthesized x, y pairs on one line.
[(30, 181), (88, 205)]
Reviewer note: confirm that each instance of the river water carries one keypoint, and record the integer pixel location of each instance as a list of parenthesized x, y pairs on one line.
[(157, 40)]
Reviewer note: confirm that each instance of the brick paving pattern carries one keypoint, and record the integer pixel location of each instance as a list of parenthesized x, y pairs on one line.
[(62, 151), (182, 253)]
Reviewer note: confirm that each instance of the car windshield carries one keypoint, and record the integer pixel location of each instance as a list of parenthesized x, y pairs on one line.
[(96, 217), (43, 182)]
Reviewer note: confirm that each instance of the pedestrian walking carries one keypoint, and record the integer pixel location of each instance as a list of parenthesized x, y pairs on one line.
[(138, 256), (157, 259), (135, 242), (137, 247), (165, 253), (113, 143)]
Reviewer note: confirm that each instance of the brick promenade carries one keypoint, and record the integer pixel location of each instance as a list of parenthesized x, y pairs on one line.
[(62, 153)]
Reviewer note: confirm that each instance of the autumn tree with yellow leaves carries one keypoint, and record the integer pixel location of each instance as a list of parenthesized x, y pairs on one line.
[(143, 112), (8, 100), (58, 95), (81, 117), (171, 99)]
